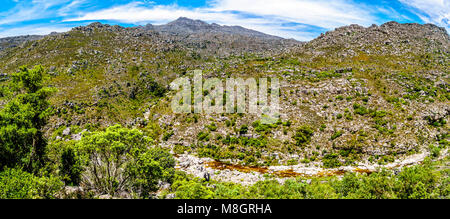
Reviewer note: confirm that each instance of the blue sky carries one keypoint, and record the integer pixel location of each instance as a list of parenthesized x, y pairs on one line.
[(299, 19)]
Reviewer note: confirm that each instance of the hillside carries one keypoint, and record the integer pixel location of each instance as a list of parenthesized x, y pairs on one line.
[(11, 42)]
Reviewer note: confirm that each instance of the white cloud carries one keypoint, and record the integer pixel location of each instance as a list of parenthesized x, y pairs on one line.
[(32, 30), (323, 13), (431, 11), (27, 11), (67, 9)]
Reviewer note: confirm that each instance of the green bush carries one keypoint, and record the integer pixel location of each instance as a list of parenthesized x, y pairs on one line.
[(360, 110), (120, 159), (167, 135), (331, 161), (212, 127), (192, 189), (411, 183), (243, 129), (17, 184), (70, 168), (337, 135), (303, 136)]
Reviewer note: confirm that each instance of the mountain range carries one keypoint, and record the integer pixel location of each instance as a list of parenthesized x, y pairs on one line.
[(369, 95)]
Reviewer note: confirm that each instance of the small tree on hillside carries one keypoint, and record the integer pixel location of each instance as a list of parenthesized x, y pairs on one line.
[(22, 143), (119, 159)]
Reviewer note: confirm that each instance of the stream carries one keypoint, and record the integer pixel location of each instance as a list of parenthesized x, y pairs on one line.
[(246, 175)]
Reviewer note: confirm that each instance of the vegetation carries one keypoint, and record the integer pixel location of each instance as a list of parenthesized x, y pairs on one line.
[(303, 136), (22, 143), (100, 133), (420, 182), (119, 159)]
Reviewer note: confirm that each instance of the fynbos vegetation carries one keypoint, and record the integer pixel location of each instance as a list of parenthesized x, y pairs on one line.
[(361, 113)]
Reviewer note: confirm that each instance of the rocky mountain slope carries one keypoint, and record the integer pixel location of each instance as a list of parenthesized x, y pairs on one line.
[(186, 26), (357, 95), (11, 42), (391, 38)]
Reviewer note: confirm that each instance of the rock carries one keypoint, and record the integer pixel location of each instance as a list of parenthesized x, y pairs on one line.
[(170, 196), (78, 136), (105, 197), (66, 131), (70, 192)]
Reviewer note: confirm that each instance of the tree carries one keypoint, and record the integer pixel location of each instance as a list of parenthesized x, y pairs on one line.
[(22, 142), (119, 159)]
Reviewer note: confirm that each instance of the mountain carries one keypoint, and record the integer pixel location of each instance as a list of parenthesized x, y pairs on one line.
[(186, 26), (221, 40), (389, 38), (353, 96), (10, 42)]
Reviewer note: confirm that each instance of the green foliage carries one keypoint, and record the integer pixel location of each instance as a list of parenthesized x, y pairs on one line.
[(435, 151), (212, 127), (264, 128), (167, 135), (303, 136), (192, 189), (337, 134), (243, 129), (412, 183), (148, 169), (70, 167), (420, 182), (119, 159), (360, 110), (22, 142), (17, 184), (203, 136), (331, 161), (440, 122)]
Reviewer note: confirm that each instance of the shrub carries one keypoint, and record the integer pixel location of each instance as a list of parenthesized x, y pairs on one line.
[(360, 110), (192, 189), (202, 136), (331, 161), (119, 159), (243, 129), (303, 136), (337, 135), (148, 169), (17, 184), (435, 151), (167, 135), (212, 127)]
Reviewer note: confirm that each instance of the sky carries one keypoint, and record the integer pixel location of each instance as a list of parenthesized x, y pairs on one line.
[(299, 19)]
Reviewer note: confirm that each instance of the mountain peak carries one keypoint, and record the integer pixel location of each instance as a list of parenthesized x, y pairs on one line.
[(184, 21), (184, 25)]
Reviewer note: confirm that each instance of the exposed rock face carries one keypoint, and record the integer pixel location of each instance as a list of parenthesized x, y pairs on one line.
[(186, 26), (390, 38), (11, 42)]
